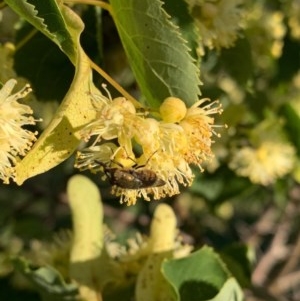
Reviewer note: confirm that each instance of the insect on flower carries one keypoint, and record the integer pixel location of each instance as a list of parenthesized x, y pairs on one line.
[(136, 177), (132, 178)]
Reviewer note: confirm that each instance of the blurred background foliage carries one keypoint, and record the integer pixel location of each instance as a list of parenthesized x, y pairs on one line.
[(249, 194)]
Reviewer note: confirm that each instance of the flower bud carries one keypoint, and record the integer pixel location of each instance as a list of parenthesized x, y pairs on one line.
[(172, 110)]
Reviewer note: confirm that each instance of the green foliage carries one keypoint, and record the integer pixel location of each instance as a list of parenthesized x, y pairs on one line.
[(53, 74), (57, 22), (180, 16), (292, 116), (158, 56), (48, 282), (239, 260), (201, 276)]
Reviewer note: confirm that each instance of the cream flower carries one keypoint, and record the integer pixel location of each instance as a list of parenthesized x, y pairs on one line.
[(198, 127), (269, 155), (166, 145), (14, 140), (55, 253), (218, 21), (266, 31), (265, 164), (116, 118)]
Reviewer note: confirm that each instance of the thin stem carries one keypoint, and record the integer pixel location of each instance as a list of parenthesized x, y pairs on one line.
[(115, 84), (26, 39), (102, 4)]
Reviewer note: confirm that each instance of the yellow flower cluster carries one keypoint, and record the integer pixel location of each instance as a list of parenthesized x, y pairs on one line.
[(167, 144), (269, 157), (218, 22), (14, 140), (265, 31), (265, 164)]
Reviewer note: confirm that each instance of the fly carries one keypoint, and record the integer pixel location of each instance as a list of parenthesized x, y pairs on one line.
[(132, 178)]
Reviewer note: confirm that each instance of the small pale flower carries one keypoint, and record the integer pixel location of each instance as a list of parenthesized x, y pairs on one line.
[(265, 30), (218, 22), (116, 118), (166, 145), (14, 140), (89, 157), (265, 164), (148, 134), (198, 127), (55, 253), (269, 155)]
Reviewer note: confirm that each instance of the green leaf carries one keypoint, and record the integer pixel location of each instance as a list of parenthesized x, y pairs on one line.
[(201, 276), (43, 64), (230, 291), (296, 172), (62, 136), (292, 124), (156, 51), (47, 281), (239, 260), (47, 17), (178, 11)]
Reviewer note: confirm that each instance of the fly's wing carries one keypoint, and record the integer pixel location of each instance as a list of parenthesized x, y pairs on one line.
[(148, 178), (127, 179)]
